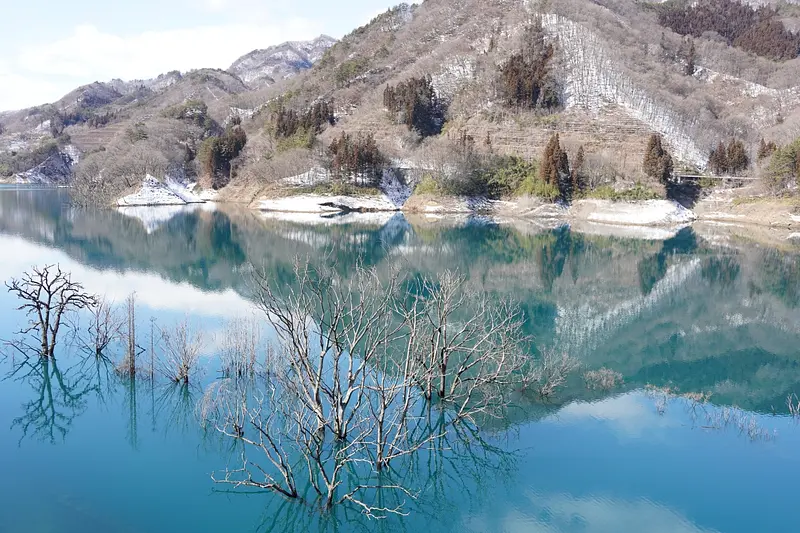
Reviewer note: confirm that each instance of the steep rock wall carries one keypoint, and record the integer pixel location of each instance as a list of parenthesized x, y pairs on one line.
[(592, 80)]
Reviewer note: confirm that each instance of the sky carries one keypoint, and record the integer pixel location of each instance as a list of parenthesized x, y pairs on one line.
[(49, 47)]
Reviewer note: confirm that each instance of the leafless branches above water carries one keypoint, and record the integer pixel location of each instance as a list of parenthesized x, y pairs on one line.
[(368, 373)]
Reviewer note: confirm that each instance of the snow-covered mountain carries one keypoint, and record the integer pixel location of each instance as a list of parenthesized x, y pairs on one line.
[(261, 68)]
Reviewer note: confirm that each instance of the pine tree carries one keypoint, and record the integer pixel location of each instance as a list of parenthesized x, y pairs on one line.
[(564, 176), (547, 170), (718, 160), (737, 157), (690, 59), (657, 162), (577, 169), (554, 169), (766, 149)]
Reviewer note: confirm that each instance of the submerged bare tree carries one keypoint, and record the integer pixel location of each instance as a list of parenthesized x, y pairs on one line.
[(105, 328), (127, 367), (239, 342), (181, 352), (48, 295), (361, 364)]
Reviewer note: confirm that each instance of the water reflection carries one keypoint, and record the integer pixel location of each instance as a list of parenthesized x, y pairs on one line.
[(682, 313), (59, 397)]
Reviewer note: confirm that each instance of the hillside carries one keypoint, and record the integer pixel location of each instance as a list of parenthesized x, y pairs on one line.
[(262, 68), (470, 83)]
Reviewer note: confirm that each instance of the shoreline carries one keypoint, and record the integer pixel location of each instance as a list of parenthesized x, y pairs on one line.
[(776, 213)]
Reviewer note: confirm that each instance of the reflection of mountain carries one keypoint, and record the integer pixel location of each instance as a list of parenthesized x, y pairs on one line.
[(680, 312)]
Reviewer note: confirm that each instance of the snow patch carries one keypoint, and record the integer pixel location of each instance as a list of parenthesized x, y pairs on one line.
[(153, 192), (649, 213), (394, 189)]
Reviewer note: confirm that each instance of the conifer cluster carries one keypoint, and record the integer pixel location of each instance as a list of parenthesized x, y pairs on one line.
[(357, 158), (525, 79), (730, 159), (657, 162), (217, 152), (766, 149), (287, 122), (554, 169), (756, 30), (415, 104)]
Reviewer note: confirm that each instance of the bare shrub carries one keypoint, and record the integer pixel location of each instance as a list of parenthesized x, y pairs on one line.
[(551, 372), (793, 403), (181, 353), (105, 327), (239, 352), (604, 379)]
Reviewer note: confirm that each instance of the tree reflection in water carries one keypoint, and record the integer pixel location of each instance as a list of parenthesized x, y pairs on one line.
[(60, 396)]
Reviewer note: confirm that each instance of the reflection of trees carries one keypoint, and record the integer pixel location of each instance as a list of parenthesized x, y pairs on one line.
[(60, 397), (721, 272), (458, 470), (129, 384), (174, 405), (780, 276), (652, 269)]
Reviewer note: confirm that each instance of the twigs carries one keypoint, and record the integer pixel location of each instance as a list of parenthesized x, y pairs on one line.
[(360, 366), (48, 294)]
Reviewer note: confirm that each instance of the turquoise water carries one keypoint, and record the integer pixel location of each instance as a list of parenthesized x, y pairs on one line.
[(84, 450)]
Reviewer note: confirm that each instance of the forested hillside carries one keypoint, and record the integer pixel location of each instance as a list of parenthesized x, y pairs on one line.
[(478, 97)]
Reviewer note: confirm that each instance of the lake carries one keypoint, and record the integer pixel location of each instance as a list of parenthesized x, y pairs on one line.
[(704, 329)]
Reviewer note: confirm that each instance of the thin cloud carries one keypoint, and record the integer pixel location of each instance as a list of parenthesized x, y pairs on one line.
[(91, 54)]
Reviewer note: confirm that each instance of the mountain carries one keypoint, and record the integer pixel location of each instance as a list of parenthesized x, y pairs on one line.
[(262, 68), (504, 77)]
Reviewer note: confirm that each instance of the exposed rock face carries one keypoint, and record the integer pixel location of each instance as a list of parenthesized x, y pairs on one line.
[(55, 170), (592, 79), (261, 68)]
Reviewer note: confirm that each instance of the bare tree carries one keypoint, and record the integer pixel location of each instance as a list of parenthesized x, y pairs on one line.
[(127, 366), (360, 365), (239, 348), (181, 352), (468, 351), (552, 372), (105, 327), (48, 294)]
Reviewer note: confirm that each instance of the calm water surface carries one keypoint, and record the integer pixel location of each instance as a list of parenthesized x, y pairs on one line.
[(82, 450)]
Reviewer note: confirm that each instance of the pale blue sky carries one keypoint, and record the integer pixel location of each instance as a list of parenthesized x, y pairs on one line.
[(48, 48)]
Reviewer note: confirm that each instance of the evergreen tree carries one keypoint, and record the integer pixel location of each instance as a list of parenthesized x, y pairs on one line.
[(554, 168), (547, 170), (738, 161), (718, 160), (690, 59), (578, 184), (216, 153), (525, 78), (657, 162), (766, 149), (357, 158), (416, 105)]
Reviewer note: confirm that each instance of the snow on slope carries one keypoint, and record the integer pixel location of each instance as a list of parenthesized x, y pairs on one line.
[(592, 80), (648, 213), (154, 192)]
